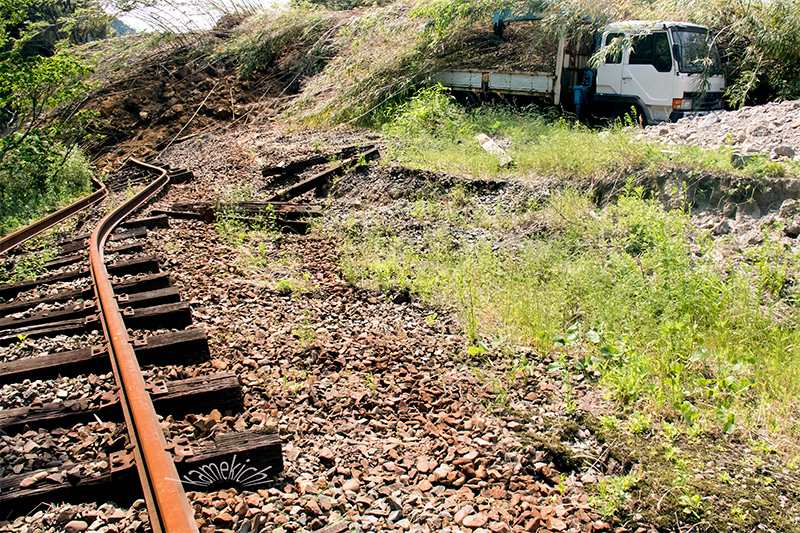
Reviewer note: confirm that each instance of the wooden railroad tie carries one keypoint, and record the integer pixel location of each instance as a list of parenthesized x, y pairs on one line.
[(70, 259), (172, 315), (187, 347), (147, 222), (81, 242), (139, 283), (146, 264), (287, 215), (220, 391), (322, 178), (135, 301), (245, 460), (283, 168)]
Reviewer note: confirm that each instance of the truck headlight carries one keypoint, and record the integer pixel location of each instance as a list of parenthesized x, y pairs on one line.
[(683, 104)]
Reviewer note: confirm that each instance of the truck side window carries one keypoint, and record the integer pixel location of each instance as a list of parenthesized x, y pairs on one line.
[(614, 57), (653, 50)]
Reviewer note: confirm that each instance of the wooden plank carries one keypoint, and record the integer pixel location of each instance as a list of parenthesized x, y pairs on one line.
[(120, 268), (125, 249), (174, 315), (137, 300), (319, 179), (159, 221), (139, 283), (207, 212), (185, 215), (75, 326), (284, 208), (187, 347), (194, 395), (75, 311), (184, 206), (64, 260), (80, 242), (247, 460), (243, 460), (292, 226), (180, 176), (70, 259), (296, 166)]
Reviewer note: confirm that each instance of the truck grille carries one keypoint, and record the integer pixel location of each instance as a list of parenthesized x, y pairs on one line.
[(711, 101)]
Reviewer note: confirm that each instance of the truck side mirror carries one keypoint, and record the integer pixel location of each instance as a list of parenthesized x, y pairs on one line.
[(676, 53)]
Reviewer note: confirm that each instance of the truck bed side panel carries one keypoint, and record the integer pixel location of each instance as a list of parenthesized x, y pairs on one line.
[(525, 82), (461, 79)]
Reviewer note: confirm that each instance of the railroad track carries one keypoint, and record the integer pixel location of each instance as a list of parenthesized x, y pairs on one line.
[(384, 430), (74, 352), (63, 337)]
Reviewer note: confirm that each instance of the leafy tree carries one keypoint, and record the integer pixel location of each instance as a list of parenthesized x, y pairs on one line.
[(34, 27), (40, 124)]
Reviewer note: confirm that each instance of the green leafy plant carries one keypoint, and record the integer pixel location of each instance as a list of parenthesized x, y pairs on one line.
[(41, 126), (613, 493)]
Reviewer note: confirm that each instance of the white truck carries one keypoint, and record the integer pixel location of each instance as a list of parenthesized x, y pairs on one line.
[(657, 71)]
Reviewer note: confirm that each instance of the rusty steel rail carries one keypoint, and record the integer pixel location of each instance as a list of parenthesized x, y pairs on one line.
[(166, 500), (23, 234)]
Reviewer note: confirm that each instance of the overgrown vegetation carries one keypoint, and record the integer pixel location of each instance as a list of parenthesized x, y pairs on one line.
[(41, 126), (431, 131), (383, 53), (301, 38), (630, 291)]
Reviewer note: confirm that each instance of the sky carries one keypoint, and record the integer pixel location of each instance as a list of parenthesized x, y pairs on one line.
[(183, 15)]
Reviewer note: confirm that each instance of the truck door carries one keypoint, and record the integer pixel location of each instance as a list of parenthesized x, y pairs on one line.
[(648, 70), (609, 74)]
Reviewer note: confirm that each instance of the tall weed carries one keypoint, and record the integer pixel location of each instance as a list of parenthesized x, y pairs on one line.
[(379, 61), (301, 36)]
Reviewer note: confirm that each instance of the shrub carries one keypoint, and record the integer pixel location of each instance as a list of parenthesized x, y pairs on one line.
[(39, 176)]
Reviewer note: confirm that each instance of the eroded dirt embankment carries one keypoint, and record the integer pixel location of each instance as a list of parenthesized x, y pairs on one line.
[(726, 204)]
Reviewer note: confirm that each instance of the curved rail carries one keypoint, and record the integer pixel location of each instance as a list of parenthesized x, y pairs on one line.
[(167, 504), (21, 235)]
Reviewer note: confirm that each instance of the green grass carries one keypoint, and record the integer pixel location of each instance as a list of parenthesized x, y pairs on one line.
[(631, 291), (431, 131)]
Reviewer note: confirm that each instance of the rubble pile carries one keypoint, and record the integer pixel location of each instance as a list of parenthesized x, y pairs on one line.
[(772, 130)]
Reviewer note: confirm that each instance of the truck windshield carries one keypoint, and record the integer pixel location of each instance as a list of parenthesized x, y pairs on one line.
[(695, 50)]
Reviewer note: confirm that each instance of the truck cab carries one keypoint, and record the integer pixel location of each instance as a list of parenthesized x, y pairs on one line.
[(658, 68), (660, 71)]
